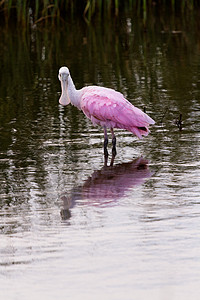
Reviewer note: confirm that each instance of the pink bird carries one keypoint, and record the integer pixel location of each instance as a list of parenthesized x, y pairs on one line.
[(105, 107)]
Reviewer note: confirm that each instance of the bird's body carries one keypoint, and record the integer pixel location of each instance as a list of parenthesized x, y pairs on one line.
[(108, 108), (105, 107)]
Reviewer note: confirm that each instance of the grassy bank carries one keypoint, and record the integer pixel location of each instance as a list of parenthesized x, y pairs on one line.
[(29, 13)]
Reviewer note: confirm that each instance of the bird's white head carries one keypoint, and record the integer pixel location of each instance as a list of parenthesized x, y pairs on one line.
[(63, 76)]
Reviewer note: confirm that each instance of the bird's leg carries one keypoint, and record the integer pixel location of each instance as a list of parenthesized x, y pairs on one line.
[(105, 146), (114, 152)]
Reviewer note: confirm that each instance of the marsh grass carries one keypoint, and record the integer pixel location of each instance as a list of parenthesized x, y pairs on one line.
[(26, 13)]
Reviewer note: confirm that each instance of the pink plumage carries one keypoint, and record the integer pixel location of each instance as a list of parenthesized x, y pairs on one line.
[(105, 107), (108, 108)]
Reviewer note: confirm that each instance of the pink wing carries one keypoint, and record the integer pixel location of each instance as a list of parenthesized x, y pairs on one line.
[(109, 108)]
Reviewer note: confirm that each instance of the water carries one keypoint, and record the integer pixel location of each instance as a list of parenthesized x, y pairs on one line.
[(69, 226)]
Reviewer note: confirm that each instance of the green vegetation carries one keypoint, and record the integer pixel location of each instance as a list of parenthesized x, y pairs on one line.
[(29, 13)]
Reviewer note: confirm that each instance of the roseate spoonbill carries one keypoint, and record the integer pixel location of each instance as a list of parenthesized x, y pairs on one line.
[(105, 107)]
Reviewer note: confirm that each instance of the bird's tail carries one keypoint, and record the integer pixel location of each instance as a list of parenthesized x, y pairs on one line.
[(140, 131)]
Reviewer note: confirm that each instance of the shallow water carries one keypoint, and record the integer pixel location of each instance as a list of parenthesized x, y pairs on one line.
[(69, 226)]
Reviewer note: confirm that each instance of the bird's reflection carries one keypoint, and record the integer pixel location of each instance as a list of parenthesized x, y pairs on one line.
[(107, 185)]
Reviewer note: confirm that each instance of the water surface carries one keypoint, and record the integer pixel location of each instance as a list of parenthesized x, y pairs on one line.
[(69, 226)]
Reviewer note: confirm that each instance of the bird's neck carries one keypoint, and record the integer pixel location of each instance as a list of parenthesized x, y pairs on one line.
[(73, 93)]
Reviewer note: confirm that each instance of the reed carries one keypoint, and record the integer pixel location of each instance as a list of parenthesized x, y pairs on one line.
[(24, 13)]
